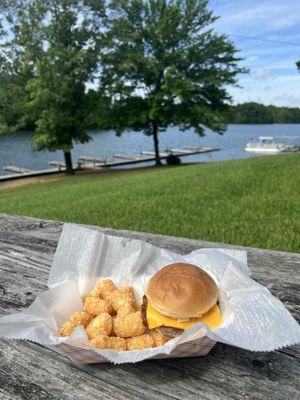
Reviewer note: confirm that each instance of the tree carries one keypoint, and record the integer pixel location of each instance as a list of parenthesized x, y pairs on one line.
[(7, 6), (7, 77), (298, 65), (13, 97), (58, 45), (164, 65), (14, 73), (13, 115), (3, 78), (255, 113)]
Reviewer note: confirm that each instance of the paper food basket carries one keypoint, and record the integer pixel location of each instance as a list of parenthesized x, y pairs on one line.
[(196, 348)]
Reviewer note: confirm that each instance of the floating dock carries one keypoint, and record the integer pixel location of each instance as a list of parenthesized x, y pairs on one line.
[(119, 160), (17, 170), (127, 157), (58, 164), (146, 156), (152, 153), (94, 160)]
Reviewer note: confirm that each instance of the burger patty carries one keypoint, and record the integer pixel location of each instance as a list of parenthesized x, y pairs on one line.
[(167, 331), (144, 311)]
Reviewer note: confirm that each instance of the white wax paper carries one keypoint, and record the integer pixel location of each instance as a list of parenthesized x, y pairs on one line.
[(253, 318)]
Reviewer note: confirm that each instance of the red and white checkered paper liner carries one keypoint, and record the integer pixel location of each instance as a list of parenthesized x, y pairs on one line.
[(197, 348)]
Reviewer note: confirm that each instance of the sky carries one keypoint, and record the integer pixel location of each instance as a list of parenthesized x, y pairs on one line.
[(273, 77)]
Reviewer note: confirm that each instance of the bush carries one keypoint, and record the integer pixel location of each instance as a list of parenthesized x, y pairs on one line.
[(173, 160)]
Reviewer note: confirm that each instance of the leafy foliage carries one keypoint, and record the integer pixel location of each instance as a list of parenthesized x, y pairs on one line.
[(255, 113), (57, 49), (8, 5), (165, 66), (10, 95)]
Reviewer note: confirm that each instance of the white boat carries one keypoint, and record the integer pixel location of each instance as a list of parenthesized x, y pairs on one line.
[(269, 145)]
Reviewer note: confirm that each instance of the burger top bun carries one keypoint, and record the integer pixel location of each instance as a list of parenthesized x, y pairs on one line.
[(182, 291)]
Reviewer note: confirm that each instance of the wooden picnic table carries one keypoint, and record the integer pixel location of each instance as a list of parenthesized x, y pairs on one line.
[(31, 371)]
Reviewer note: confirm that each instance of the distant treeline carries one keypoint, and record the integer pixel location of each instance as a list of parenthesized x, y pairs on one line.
[(246, 113), (255, 113)]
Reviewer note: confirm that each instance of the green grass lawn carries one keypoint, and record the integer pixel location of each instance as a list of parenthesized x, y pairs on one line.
[(253, 202)]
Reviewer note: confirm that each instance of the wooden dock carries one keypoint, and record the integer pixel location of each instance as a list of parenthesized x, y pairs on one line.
[(119, 160), (58, 164), (127, 157), (152, 153), (17, 170), (94, 160), (146, 156)]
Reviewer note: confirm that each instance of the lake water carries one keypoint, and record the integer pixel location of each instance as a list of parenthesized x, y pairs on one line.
[(16, 149)]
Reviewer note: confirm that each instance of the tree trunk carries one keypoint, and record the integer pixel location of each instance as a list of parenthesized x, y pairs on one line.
[(156, 147), (68, 162)]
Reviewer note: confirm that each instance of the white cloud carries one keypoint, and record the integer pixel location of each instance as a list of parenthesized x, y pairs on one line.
[(288, 99), (261, 74), (286, 65), (252, 58), (273, 77), (279, 91), (257, 17)]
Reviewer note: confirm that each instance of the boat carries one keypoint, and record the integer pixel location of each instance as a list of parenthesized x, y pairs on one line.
[(270, 145)]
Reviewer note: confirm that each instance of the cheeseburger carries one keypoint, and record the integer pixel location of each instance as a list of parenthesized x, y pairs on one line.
[(178, 296)]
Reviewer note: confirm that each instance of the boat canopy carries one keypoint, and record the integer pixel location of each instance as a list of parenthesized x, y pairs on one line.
[(266, 138)]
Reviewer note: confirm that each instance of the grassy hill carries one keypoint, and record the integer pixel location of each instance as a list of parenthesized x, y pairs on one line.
[(254, 202)]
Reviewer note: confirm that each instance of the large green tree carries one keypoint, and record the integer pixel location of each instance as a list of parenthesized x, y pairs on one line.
[(58, 44), (7, 76), (13, 113), (14, 72), (165, 65)]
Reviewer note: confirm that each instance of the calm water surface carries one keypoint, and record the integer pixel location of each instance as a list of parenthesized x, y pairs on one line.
[(16, 149)]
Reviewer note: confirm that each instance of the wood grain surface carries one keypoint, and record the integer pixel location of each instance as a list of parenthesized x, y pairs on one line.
[(31, 371)]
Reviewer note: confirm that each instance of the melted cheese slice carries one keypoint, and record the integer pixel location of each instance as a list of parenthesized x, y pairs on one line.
[(155, 319)]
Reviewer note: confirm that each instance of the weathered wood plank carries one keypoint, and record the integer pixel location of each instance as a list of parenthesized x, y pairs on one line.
[(33, 372), (30, 371)]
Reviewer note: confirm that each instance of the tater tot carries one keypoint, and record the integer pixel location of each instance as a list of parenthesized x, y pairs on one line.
[(128, 326), (126, 309), (158, 337), (93, 293), (109, 342), (140, 342), (66, 329), (129, 290), (105, 287), (96, 306), (101, 325), (119, 297), (76, 319), (80, 318)]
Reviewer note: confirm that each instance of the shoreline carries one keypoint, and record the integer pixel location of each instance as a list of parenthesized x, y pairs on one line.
[(17, 149), (24, 181)]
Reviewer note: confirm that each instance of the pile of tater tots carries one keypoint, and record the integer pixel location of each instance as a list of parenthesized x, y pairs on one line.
[(112, 319)]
